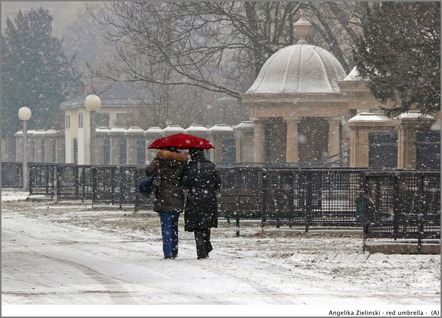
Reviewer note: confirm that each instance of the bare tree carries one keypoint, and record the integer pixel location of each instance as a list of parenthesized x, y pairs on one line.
[(217, 46), (199, 57)]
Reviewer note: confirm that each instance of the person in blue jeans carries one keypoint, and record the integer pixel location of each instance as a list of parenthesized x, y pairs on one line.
[(169, 165), (169, 232)]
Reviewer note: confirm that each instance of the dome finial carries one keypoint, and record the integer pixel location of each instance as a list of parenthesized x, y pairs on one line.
[(301, 28)]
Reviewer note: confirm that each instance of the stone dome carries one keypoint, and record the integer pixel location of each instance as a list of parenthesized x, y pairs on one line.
[(299, 68)]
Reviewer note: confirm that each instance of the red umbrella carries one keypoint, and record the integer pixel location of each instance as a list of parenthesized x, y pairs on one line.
[(181, 141)]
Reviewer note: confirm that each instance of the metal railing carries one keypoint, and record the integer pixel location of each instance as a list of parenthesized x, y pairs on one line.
[(100, 184), (384, 204), (402, 205), (336, 197), (297, 196)]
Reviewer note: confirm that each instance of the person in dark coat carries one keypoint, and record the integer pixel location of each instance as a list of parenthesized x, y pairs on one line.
[(201, 211), (169, 165)]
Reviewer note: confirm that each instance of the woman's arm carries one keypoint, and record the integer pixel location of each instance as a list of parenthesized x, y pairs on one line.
[(152, 167)]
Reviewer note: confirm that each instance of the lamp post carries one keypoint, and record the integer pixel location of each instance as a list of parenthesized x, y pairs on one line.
[(24, 113), (92, 104)]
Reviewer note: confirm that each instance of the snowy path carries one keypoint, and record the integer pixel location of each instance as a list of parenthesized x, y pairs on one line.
[(55, 254), (45, 265), (50, 264)]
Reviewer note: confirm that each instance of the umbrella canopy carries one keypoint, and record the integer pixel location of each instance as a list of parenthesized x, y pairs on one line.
[(181, 141)]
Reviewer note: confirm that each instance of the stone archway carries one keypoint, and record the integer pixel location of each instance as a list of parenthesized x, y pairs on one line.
[(312, 139)]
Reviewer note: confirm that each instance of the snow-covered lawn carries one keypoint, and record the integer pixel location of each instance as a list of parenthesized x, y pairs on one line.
[(59, 254)]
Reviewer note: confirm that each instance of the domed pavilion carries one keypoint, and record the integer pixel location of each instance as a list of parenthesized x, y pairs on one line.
[(305, 109), (296, 104)]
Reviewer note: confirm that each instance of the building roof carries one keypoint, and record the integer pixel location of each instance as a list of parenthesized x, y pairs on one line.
[(414, 114), (299, 68), (115, 95), (369, 117)]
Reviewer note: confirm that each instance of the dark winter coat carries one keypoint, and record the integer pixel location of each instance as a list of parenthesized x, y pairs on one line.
[(202, 181), (169, 194)]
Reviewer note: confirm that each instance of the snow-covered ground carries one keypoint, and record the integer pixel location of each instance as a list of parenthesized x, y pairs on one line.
[(74, 259)]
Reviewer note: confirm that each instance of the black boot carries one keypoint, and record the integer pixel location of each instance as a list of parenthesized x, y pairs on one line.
[(207, 243), (200, 245)]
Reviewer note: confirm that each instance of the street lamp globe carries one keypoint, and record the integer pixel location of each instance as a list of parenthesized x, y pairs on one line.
[(24, 113), (92, 103)]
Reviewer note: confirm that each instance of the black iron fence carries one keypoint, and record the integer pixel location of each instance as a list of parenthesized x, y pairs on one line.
[(388, 204), (402, 205), (292, 196), (311, 197), (100, 184)]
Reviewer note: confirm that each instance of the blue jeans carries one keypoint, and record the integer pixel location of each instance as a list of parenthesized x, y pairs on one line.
[(169, 232)]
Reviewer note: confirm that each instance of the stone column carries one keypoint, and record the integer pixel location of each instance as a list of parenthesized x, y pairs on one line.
[(19, 146), (68, 138), (259, 140), (345, 134), (152, 134), (8, 148), (200, 131), (292, 154), (38, 136), (172, 130), (244, 141), (102, 133), (30, 145), (50, 141), (409, 123), (217, 134), (60, 147), (333, 136), (133, 134), (115, 134), (361, 125)]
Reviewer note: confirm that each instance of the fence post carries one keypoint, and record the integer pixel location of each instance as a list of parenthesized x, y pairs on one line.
[(137, 193), (237, 206), (53, 179), (31, 170), (291, 198), (420, 233), (275, 203), (58, 178), (422, 211), (83, 183), (122, 175), (94, 184), (365, 220), (77, 181), (397, 206), (47, 179), (112, 184), (308, 200), (261, 189)]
